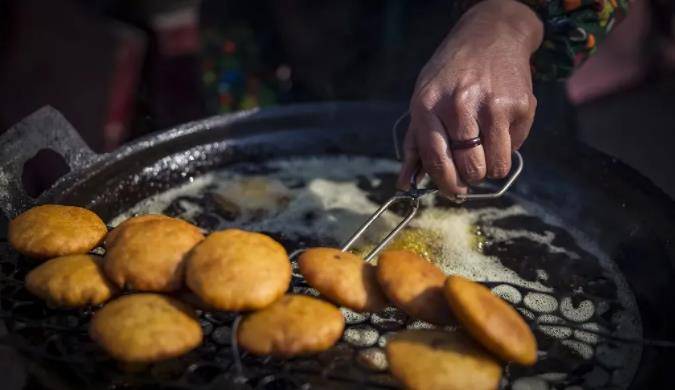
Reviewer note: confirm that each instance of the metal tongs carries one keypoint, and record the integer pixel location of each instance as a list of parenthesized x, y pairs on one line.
[(413, 196)]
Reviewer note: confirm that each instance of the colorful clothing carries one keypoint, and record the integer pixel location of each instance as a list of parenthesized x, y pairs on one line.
[(572, 31)]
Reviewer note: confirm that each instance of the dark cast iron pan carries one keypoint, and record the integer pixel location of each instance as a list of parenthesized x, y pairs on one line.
[(625, 214)]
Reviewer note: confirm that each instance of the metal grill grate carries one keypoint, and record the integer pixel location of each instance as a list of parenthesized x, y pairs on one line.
[(64, 356)]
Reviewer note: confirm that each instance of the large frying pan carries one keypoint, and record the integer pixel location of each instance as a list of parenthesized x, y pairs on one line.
[(626, 216)]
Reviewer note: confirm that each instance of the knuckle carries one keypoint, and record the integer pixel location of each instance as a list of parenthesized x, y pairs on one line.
[(435, 165), (432, 144), (521, 103), (462, 98), (532, 102), (497, 102), (472, 171), (497, 107), (525, 109), (426, 100)]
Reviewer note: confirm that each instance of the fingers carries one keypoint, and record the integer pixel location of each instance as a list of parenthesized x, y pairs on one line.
[(461, 125), (434, 152), (411, 161), (522, 123), (496, 143), (503, 123)]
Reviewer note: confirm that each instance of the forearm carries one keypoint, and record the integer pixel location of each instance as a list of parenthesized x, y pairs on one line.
[(572, 30), (506, 17)]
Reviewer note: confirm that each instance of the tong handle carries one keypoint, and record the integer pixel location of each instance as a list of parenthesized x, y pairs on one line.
[(460, 198), (515, 172)]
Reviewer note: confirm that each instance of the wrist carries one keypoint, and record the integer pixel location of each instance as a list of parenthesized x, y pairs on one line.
[(510, 18)]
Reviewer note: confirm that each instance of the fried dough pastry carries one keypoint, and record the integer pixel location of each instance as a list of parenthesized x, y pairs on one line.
[(343, 278), (491, 321), (414, 285), (49, 231), (144, 328), (440, 360), (70, 281), (133, 220), (236, 270), (149, 255), (294, 325)]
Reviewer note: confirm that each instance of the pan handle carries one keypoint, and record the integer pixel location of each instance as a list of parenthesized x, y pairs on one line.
[(46, 128)]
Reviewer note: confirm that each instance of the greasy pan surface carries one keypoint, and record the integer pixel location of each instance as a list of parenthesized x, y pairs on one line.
[(624, 214)]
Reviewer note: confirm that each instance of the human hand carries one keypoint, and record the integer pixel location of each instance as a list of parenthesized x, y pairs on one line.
[(477, 84)]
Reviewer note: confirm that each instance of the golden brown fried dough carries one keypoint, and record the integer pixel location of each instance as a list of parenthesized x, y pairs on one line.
[(433, 359), (70, 281), (293, 325), (149, 256), (131, 221), (235, 270), (491, 321), (342, 277), (414, 285), (143, 328), (51, 230)]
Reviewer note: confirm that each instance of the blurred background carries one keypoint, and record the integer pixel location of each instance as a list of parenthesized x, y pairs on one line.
[(119, 69)]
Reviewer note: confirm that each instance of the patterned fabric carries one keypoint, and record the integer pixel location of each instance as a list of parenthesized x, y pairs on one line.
[(572, 31)]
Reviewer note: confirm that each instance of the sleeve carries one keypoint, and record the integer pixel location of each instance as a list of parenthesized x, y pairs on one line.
[(572, 31)]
